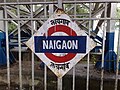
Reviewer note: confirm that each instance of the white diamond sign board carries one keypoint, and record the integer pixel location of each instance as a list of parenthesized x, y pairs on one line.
[(60, 44)]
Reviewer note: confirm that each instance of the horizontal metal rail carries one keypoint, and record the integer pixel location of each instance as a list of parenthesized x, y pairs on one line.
[(36, 19), (64, 2)]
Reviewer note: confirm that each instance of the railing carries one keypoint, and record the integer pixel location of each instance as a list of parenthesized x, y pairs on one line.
[(33, 21)]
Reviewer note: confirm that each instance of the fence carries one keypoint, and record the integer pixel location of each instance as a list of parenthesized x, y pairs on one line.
[(93, 16)]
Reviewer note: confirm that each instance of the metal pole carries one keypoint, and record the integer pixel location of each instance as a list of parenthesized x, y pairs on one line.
[(103, 48), (19, 44), (60, 4), (118, 54), (59, 84), (45, 67), (7, 47), (88, 56), (45, 77), (59, 79), (74, 78), (32, 28), (74, 66)]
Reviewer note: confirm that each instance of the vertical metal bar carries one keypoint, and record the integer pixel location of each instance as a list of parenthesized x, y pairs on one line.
[(60, 4), (103, 48), (73, 87), (60, 79), (118, 54), (88, 56), (7, 47), (19, 45), (45, 77), (59, 84), (51, 9), (45, 67), (32, 28), (73, 78)]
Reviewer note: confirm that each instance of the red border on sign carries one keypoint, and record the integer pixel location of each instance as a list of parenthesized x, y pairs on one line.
[(70, 32)]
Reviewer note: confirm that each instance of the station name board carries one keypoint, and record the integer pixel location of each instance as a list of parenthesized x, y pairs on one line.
[(60, 44)]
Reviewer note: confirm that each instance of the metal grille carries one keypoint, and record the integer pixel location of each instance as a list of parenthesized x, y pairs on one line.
[(28, 15)]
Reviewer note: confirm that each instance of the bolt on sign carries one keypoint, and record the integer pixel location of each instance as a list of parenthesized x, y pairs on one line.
[(60, 43)]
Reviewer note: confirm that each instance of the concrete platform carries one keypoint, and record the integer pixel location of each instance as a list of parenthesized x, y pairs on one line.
[(81, 73)]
